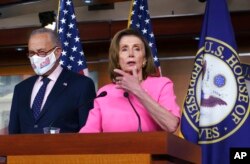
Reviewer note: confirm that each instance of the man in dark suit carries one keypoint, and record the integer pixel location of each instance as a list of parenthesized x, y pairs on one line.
[(66, 98)]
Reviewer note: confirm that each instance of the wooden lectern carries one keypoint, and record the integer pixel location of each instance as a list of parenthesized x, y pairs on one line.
[(101, 148)]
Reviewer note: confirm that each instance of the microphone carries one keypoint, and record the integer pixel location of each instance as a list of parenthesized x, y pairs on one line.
[(138, 116), (102, 94)]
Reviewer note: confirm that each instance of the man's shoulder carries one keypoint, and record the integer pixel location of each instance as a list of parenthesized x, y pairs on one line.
[(74, 74), (28, 80), (78, 77)]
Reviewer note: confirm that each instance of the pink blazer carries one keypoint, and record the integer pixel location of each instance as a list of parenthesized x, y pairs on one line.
[(113, 113)]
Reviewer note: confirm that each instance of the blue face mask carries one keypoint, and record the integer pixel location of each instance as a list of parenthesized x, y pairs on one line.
[(41, 65)]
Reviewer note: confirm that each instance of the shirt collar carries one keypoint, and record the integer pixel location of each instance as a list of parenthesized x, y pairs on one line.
[(54, 75)]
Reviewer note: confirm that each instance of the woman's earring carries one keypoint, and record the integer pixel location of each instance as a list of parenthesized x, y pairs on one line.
[(144, 64)]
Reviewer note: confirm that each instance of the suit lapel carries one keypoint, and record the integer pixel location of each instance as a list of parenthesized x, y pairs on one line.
[(60, 85)]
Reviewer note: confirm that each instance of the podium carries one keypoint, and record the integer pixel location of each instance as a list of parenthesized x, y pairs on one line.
[(101, 148)]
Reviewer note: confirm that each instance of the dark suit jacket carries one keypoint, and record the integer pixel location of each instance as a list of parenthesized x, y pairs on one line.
[(66, 107)]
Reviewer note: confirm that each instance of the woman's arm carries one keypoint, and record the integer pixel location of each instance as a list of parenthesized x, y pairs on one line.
[(163, 117)]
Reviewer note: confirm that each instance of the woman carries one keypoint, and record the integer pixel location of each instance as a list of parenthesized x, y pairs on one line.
[(137, 100)]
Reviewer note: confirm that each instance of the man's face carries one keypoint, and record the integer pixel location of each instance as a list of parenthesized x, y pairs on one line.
[(43, 53), (40, 44)]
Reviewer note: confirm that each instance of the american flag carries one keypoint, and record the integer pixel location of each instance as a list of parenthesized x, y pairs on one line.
[(139, 19), (72, 56)]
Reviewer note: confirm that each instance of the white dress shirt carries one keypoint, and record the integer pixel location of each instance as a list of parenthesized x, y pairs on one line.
[(53, 77)]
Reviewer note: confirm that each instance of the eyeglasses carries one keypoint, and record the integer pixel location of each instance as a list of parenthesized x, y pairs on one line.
[(40, 53)]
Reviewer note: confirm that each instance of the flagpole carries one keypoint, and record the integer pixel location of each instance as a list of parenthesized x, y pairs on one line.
[(129, 15), (58, 12)]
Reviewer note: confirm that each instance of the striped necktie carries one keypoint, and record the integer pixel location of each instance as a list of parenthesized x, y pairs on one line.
[(37, 104)]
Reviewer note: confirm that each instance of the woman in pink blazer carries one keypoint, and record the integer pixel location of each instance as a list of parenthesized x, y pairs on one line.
[(137, 99)]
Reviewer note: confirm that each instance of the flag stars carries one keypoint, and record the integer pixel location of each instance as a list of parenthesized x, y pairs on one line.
[(77, 39), (73, 16), (144, 31), (151, 35), (64, 53), (68, 3), (65, 12), (63, 21), (141, 7), (72, 54), (60, 30), (155, 58), (80, 62), (69, 67), (66, 44), (142, 22), (71, 25), (69, 35), (61, 62), (72, 58), (74, 49)]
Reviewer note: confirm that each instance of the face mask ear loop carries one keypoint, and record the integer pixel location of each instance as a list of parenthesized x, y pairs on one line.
[(55, 54)]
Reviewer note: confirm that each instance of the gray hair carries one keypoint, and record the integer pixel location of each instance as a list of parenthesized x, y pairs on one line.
[(53, 35)]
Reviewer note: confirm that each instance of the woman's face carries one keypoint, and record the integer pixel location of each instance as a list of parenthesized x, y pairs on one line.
[(131, 54)]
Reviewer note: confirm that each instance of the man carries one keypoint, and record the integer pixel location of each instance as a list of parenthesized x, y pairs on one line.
[(63, 101)]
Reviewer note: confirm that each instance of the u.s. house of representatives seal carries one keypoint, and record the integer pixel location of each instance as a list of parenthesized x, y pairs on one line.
[(217, 101)]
